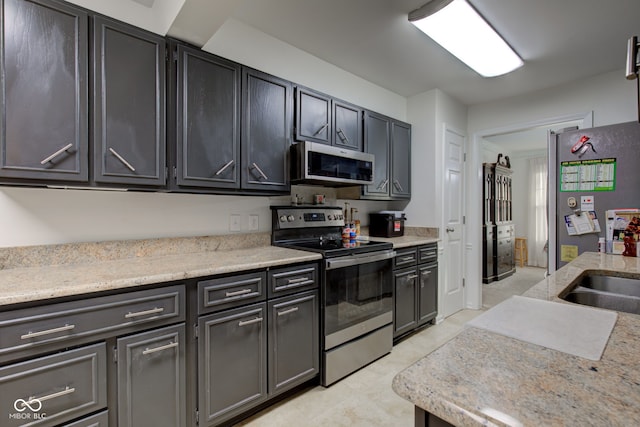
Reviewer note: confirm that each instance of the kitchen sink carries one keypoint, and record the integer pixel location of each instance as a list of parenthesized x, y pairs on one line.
[(604, 291)]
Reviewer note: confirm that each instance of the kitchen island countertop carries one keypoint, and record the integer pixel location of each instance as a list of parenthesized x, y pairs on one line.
[(482, 378)]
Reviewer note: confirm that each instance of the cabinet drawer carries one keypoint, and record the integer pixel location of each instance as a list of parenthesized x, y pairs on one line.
[(284, 281), (54, 389), (428, 253), (405, 258), (233, 291), (47, 327), (100, 419)]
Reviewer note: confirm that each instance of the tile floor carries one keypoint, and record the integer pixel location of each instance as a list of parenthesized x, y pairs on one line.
[(365, 398)]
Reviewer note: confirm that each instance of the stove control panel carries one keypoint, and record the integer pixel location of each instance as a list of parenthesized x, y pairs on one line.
[(303, 217)]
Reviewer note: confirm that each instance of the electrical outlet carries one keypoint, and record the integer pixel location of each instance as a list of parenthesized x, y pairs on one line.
[(235, 221), (254, 222)]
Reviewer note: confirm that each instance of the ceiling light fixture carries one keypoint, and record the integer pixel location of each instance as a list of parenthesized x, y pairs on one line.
[(459, 28)]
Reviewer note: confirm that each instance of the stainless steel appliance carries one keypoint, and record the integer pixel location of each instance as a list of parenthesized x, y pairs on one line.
[(356, 287), (314, 163)]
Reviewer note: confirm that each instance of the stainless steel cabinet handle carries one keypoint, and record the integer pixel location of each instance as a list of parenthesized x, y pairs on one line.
[(426, 272), (397, 185), (237, 293), (260, 171), (430, 253), (46, 332), (56, 154), (343, 137), (450, 230), (291, 310), (300, 280), (407, 258), (383, 184), (122, 159), (413, 276), (222, 169), (33, 399), (160, 348), (326, 125), (250, 322), (154, 310)]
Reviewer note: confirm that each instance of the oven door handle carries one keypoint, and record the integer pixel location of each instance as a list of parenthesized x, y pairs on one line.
[(351, 260)]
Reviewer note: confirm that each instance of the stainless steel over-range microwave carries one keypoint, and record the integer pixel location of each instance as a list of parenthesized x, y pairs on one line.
[(314, 163)]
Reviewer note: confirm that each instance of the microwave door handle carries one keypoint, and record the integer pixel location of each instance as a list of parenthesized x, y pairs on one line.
[(351, 260)]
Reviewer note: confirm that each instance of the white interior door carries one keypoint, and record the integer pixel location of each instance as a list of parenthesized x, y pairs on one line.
[(453, 196)]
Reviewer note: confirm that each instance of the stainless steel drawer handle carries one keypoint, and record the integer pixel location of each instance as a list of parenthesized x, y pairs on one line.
[(46, 332), (291, 310), (160, 348), (407, 258), (154, 310), (223, 168), (237, 293), (430, 254), (256, 167), (56, 154), (122, 159), (37, 401), (300, 280), (250, 322), (396, 183), (324, 126)]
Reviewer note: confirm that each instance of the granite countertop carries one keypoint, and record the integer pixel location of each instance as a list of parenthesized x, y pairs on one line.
[(29, 274), (483, 378)]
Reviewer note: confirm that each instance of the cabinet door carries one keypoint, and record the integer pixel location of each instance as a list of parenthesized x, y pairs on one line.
[(400, 160), (293, 341), (405, 317), (376, 142), (266, 136), (129, 104), (151, 378), (232, 362), (208, 120), (313, 116), (43, 90), (347, 125), (427, 293)]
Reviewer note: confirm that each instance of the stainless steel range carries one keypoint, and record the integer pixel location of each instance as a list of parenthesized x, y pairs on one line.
[(356, 287)]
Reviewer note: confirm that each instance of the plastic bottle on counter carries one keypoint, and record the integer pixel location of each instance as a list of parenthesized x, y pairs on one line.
[(602, 246)]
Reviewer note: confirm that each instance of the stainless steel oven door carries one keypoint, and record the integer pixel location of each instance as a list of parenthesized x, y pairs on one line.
[(358, 296)]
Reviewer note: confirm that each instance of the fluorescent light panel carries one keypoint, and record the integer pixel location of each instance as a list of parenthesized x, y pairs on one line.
[(457, 27)]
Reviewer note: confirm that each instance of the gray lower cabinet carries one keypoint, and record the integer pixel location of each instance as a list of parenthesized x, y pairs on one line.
[(50, 390), (293, 341), (151, 378), (128, 104), (43, 91), (415, 288), (266, 132), (232, 347)]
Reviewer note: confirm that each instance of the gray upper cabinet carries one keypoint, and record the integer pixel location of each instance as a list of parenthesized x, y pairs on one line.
[(266, 131), (376, 136), (207, 120), (128, 104), (43, 90), (321, 118), (313, 116), (400, 186), (347, 125), (389, 141)]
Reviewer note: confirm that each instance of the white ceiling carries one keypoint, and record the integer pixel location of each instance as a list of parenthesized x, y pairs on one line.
[(559, 40)]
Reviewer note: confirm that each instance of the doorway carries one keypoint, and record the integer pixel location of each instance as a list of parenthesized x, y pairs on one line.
[(517, 139)]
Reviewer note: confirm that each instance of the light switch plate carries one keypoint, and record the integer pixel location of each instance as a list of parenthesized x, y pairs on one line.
[(235, 221), (254, 222)]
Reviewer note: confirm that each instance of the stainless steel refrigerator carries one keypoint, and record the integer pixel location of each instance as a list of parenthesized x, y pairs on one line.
[(599, 168)]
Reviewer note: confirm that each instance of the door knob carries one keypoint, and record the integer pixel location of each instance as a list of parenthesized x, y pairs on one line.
[(450, 230)]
